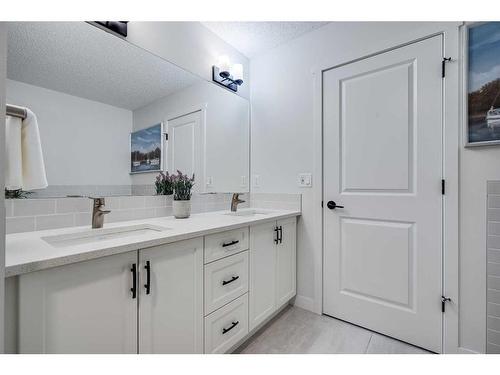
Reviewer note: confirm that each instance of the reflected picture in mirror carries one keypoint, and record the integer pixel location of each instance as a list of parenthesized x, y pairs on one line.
[(146, 149), (89, 96)]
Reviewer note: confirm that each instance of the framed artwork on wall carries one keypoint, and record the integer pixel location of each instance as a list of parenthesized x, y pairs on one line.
[(146, 149), (482, 84)]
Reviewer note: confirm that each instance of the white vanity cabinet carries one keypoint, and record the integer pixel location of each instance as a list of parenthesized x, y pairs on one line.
[(85, 307), (104, 306), (200, 295), (272, 268), (171, 298)]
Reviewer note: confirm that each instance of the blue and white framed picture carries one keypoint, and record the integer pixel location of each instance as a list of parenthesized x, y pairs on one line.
[(482, 55), (146, 149)]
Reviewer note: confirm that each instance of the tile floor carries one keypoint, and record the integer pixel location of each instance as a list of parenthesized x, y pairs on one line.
[(297, 331)]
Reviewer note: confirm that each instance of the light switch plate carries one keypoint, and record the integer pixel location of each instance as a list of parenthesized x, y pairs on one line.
[(305, 180), (243, 181), (209, 181)]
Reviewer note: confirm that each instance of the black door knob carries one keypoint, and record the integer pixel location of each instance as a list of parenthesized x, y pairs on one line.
[(332, 205)]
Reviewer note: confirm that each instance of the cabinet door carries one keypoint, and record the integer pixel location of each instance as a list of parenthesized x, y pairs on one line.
[(171, 315), (286, 261), (262, 289), (85, 307)]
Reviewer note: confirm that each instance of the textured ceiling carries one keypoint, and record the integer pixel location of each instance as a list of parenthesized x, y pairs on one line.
[(253, 38), (79, 59)]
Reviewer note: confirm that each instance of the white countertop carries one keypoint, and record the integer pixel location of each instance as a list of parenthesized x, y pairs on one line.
[(28, 252)]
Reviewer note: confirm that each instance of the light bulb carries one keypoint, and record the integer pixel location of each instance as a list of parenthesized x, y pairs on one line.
[(224, 64), (237, 72)]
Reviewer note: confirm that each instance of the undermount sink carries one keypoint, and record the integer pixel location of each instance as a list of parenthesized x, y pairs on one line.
[(248, 212), (97, 235)]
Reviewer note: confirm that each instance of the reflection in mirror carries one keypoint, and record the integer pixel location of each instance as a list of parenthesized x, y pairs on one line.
[(96, 96)]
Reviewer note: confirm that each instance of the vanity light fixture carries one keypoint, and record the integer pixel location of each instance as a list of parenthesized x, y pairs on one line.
[(227, 75)]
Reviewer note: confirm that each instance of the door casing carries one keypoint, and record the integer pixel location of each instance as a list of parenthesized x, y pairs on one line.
[(450, 167)]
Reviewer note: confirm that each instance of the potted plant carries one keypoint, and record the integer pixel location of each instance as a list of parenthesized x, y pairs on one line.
[(164, 184), (182, 195)]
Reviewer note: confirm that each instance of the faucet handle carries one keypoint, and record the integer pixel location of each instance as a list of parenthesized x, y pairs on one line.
[(98, 201)]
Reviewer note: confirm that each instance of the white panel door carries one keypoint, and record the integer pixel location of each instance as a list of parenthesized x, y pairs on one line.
[(383, 163), (286, 259), (82, 308), (262, 288), (185, 144), (171, 310)]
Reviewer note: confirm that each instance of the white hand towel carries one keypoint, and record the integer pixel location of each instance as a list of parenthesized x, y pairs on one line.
[(25, 167), (14, 156)]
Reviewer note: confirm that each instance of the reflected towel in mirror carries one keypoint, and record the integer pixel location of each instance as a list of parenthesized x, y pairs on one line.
[(24, 167)]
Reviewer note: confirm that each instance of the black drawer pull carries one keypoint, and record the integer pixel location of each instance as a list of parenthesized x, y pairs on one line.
[(147, 267), (134, 280), (234, 278), (280, 231), (233, 324), (230, 243), (277, 238)]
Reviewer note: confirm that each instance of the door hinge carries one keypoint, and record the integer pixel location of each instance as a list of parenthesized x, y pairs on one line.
[(443, 187), (166, 136), (443, 66), (443, 303)]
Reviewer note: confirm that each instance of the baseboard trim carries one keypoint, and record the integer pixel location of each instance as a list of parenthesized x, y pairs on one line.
[(305, 303)]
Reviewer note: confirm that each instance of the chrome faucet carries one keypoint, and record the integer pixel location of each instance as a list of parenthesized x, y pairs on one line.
[(236, 201), (98, 213)]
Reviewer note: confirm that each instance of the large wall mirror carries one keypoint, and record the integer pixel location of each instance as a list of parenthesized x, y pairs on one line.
[(105, 108)]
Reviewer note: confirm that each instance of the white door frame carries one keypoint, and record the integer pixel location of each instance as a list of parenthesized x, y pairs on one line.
[(451, 144), (202, 108)]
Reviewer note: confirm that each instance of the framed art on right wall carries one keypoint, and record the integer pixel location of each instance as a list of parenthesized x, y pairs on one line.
[(482, 54)]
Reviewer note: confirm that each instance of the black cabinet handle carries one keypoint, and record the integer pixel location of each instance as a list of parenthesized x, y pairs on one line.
[(234, 278), (230, 243), (147, 267), (277, 238), (134, 281), (280, 229), (233, 324)]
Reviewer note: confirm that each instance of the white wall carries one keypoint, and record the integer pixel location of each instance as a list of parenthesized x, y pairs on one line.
[(226, 132), (189, 45), (3, 71), (84, 142), (282, 146)]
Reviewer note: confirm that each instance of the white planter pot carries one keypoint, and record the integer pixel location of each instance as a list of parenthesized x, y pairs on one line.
[(182, 209)]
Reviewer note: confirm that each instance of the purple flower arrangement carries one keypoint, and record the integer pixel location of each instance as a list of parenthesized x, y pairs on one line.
[(164, 184), (182, 185)]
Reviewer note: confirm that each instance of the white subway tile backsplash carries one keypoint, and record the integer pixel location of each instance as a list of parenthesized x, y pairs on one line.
[(40, 214), (44, 222), (158, 201), (71, 205), (19, 224), (131, 202), (494, 282), (494, 323), (493, 269), (163, 211), (494, 228), (494, 295), (494, 255), (493, 309), (33, 207), (493, 337), (492, 348)]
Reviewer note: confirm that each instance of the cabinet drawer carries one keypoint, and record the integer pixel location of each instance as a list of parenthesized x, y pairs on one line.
[(226, 326), (220, 245), (225, 280)]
